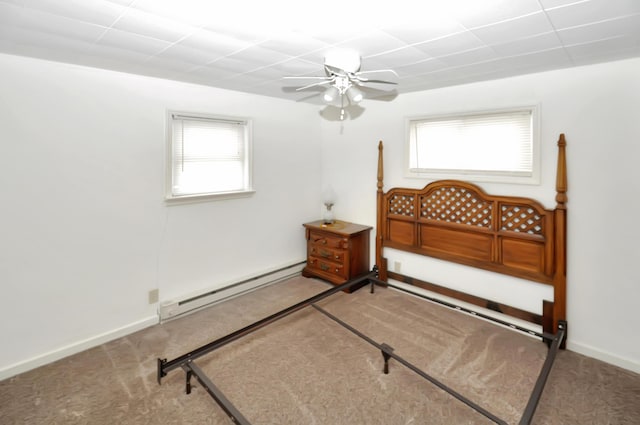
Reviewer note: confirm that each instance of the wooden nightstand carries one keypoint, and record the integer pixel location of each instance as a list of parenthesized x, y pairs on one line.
[(336, 252)]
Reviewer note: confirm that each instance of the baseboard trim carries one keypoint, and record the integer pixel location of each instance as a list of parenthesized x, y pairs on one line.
[(604, 356), (191, 303), (76, 347)]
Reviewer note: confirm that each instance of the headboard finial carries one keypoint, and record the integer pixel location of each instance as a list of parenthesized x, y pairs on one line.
[(380, 172), (561, 174)]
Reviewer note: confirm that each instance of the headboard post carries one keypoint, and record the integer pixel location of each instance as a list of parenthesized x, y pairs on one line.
[(380, 261), (560, 223)]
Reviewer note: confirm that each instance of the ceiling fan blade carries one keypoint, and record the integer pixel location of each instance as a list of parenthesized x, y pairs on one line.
[(366, 81), (314, 85), (305, 78), (388, 76), (377, 71)]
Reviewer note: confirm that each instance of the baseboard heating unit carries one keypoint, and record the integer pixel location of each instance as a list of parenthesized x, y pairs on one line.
[(194, 302)]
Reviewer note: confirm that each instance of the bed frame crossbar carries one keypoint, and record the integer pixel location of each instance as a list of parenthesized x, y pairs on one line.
[(186, 361), (387, 353)]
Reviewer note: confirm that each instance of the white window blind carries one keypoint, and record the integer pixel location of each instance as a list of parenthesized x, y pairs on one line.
[(497, 143), (208, 156)]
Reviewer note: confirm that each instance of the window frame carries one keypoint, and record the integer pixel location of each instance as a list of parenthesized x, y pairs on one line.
[(170, 197), (532, 178)]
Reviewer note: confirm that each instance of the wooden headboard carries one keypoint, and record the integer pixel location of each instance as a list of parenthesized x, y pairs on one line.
[(457, 221)]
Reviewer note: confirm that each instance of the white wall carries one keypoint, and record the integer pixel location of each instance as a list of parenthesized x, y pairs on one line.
[(85, 231), (597, 108)]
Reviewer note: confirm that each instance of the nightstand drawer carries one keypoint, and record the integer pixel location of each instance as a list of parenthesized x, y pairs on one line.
[(328, 267), (328, 240), (321, 251)]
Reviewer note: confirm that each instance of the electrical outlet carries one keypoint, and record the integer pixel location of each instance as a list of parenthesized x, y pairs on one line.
[(154, 296), (397, 265)]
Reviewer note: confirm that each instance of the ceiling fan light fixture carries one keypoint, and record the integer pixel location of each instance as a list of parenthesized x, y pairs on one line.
[(355, 94), (331, 94)]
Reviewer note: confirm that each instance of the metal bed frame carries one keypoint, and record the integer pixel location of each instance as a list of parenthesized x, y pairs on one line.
[(187, 361)]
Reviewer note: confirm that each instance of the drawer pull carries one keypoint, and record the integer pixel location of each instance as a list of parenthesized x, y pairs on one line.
[(324, 267), (325, 254)]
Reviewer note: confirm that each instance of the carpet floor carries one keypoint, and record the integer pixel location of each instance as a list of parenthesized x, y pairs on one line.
[(306, 369)]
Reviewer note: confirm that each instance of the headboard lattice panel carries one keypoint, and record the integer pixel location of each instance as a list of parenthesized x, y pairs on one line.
[(455, 204), (401, 204), (517, 218)]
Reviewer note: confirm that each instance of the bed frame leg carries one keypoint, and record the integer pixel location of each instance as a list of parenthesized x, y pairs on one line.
[(188, 374), (373, 284), (161, 372), (386, 350)]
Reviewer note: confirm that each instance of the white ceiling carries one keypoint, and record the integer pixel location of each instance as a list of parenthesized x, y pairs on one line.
[(249, 45)]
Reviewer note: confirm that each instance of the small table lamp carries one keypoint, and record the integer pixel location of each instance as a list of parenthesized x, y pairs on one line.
[(329, 199)]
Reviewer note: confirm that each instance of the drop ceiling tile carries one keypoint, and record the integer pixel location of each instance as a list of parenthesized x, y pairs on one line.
[(257, 56), (520, 46), (240, 82), (46, 23), (19, 41), (296, 67), (133, 42), (526, 26), (239, 31), (188, 12), (430, 27), (153, 26), (371, 43), (534, 61), (551, 4), (172, 63), (293, 43), (268, 73), (420, 68), (473, 56), (582, 13), (605, 50), (115, 54), (211, 75), (220, 44), (399, 57), (195, 57), (124, 2), (628, 25), (473, 14), (99, 12), (455, 43)]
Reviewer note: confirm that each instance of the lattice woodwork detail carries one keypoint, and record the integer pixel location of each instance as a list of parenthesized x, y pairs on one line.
[(521, 219), (402, 205), (456, 205)]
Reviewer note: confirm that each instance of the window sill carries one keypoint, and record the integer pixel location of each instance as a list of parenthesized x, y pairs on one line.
[(207, 197), (507, 178)]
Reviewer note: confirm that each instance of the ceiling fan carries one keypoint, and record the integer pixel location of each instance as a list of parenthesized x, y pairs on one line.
[(345, 83)]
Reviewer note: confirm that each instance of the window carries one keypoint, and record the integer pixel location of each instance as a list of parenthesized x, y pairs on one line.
[(500, 146), (210, 157)]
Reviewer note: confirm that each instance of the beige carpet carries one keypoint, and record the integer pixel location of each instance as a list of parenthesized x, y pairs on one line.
[(306, 369)]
